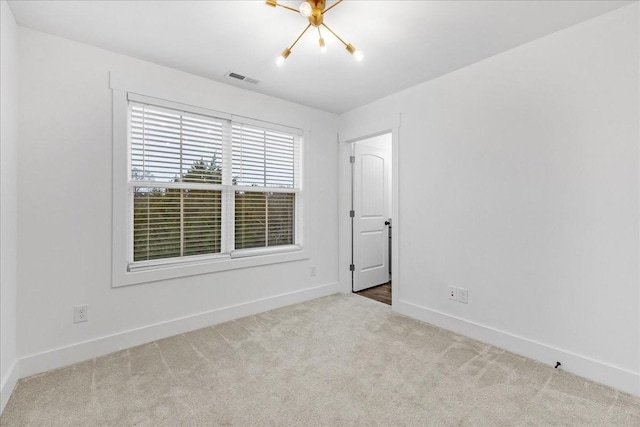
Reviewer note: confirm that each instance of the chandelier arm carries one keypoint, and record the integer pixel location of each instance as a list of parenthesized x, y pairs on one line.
[(337, 36), (301, 34), (274, 3), (331, 7)]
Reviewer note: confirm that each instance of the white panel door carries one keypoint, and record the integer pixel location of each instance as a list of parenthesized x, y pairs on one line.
[(370, 233)]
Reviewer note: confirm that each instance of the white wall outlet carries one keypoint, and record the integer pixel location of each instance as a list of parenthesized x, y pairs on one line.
[(463, 296), (313, 270), (80, 313), (453, 293)]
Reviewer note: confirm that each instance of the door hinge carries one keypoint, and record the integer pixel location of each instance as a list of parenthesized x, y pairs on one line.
[(352, 214), (352, 267), (352, 159)]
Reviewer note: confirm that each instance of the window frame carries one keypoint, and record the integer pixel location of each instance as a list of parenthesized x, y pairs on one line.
[(124, 272)]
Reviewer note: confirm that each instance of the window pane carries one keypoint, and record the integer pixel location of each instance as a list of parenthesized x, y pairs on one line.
[(251, 220), (170, 223), (262, 158), (264, 219), (172, 146), (202, 222), (156, 223), (281, 207)]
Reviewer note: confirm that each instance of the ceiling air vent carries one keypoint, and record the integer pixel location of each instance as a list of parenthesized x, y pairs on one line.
[(243, 78)]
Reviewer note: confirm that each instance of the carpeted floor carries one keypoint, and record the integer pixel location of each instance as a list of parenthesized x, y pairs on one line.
[(338, 360)]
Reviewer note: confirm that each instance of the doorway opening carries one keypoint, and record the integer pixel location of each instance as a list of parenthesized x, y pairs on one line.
[(371, 223), (380, 293)]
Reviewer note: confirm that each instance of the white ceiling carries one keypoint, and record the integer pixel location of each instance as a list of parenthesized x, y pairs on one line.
[(405, 42)]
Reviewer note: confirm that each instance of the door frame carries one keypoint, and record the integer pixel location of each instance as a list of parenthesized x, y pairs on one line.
[(345, 202)]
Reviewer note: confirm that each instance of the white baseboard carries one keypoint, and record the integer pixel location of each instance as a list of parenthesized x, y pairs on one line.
[(618, 378), (86, 350), (7, 385)]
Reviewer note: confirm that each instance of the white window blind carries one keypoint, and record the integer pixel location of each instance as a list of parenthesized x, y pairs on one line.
[(172, 146), (264, 219), (263, 158), (176, 174), (202, 185)]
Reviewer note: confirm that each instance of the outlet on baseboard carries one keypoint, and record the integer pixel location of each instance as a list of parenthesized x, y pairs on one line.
[(80, 313), (463, 296), (313, 270), (453, 293)]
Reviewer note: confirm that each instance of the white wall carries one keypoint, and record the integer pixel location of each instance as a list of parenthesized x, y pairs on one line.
[(65, 179), (519, 180), (8, 200)]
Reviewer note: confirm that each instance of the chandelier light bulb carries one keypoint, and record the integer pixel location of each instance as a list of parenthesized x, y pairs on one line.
[(305, 9), (323, 46), (357, 54), (285, 54)]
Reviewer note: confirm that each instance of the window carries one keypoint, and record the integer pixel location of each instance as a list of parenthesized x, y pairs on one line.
[(175, 183), (202, 187), (264, 161)]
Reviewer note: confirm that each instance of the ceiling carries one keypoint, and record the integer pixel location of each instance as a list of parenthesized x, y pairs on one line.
[(405, 42)]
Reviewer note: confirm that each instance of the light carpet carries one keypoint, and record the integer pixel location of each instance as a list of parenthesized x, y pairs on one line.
[(338, 360)]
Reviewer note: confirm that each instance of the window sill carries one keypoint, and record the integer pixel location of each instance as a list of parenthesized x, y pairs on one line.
[(238, 259), (243, 253)]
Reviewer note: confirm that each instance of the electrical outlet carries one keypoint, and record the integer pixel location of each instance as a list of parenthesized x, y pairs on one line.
[(80, 313), (453, 293), (463, 296), (313, 270)]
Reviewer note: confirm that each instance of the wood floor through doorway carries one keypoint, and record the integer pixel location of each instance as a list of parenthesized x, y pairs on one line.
[(380, 293)]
